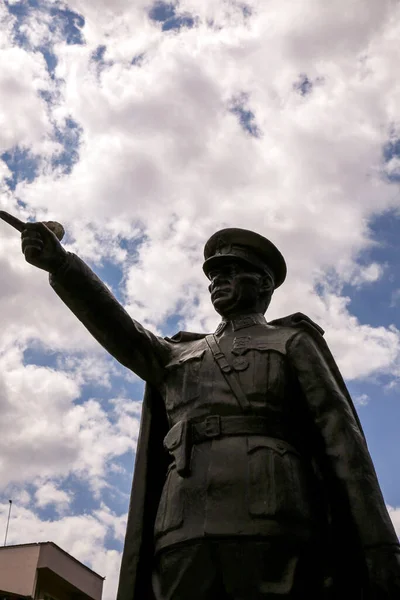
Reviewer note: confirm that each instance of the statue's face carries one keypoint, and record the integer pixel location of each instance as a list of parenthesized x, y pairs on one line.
[(234, 288)]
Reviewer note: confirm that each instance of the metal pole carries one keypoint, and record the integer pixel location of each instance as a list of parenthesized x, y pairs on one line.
[(8, 522)]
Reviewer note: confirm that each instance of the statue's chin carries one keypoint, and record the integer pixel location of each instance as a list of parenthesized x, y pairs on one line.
[(227, 308), (230, 304), (223, 305), (234, 309)]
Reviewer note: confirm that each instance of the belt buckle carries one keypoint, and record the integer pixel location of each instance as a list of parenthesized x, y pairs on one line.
[(212, 426)]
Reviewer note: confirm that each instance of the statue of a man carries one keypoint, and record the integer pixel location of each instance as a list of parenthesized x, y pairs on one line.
[(252, 478)]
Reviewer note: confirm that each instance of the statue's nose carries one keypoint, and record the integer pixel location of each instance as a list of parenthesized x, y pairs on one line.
[(223, 277)]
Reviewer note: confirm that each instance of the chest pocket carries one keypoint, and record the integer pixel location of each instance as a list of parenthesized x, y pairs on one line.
[(182, 380), (266, 372)]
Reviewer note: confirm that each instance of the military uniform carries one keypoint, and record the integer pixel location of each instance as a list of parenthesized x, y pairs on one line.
[(233, 474), (252, 481)]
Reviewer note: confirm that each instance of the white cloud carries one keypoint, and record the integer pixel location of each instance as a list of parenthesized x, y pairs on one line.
[(21, 497), (23, 115), (395, 299), (359, 275), (361, 400), (171, 148), (361, 350), (40, 419), (48, 494)]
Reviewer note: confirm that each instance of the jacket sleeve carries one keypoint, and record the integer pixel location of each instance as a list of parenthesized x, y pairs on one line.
[(124, 338), (342, 441)]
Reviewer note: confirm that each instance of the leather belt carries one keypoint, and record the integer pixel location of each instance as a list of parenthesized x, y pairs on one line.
[(184, 434), (216, 426)]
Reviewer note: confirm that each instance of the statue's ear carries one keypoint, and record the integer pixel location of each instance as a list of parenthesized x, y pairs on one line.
[(266, 285)]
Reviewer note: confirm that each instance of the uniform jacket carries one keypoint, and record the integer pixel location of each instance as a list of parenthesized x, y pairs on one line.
[(311, 473)]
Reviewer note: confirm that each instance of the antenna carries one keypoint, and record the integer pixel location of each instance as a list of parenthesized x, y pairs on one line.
[(8, 522)]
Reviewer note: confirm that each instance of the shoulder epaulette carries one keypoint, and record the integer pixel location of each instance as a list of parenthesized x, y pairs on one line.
[(185, 336), (299, 321)]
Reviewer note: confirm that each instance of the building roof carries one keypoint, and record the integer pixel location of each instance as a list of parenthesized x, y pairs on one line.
[(29, 569), (58, 548)]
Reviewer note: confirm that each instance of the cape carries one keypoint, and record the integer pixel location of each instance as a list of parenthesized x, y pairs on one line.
[(346, 571)]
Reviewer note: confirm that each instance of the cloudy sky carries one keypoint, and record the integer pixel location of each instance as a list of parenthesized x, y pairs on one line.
[(144, 127)]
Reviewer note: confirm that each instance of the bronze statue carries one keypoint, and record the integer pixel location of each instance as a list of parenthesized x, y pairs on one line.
[(252, 477)]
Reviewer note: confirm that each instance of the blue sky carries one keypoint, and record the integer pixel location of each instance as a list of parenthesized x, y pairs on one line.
[(144, 129)]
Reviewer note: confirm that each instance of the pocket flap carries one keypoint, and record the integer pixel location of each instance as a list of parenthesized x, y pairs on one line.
[(174, 436), (280, 446), (192, 355), (185, 356)]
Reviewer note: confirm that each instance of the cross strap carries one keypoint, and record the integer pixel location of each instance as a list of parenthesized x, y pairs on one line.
[(229, 374)]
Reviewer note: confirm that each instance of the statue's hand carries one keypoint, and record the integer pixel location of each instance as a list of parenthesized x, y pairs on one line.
[(384, 572), (41, 247)]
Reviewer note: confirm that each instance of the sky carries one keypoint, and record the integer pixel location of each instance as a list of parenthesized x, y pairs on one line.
[(144, 127)]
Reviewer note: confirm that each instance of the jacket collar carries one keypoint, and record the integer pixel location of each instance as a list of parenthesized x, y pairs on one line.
[(241, 322)]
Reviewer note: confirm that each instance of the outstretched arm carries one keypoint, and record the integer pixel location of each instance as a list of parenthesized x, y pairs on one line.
[(124, 338), (94, 305)]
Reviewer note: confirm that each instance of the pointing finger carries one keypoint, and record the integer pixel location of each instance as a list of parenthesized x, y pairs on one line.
[(13, 221)]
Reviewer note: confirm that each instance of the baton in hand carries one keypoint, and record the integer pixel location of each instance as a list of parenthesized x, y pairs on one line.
[(55, 227)]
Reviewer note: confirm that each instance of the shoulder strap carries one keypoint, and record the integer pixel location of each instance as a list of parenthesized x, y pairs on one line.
[(228, 373)]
